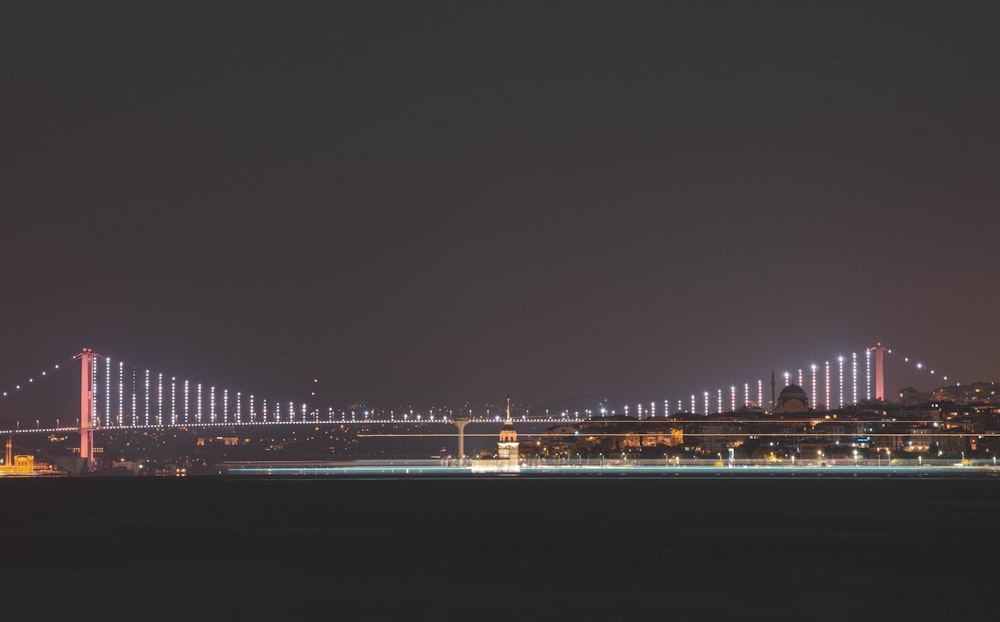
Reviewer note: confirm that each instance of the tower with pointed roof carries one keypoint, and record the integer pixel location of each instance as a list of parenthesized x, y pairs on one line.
[(507, 447)]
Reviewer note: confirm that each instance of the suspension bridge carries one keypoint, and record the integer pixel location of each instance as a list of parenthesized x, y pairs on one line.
[(114, 395)]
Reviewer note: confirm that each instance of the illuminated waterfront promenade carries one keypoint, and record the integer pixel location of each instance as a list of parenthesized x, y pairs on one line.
[(617, 468)]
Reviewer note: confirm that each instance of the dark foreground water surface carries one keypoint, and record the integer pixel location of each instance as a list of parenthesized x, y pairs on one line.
[(490, 547)]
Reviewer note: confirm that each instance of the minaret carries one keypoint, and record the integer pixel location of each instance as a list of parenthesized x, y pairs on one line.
[(772, 391)]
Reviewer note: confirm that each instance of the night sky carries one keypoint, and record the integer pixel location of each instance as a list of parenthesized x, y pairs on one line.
[(443, 202)]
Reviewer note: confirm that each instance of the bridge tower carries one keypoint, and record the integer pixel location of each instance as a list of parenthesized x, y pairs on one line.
[(86, 357), (879, 351), (461, 420)]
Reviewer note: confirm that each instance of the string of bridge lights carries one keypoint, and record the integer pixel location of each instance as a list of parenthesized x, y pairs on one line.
[(921, 367), (827, 369), (31, 380), (164, 388), (173, 401)]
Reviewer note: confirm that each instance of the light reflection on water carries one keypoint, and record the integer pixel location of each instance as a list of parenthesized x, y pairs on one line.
[(595, 468)]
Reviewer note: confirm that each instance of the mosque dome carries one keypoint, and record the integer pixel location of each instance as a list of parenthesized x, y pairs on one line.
[(792, 399), (793, 391)]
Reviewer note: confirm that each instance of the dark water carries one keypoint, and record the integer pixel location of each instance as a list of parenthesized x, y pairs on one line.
[(525, 548)]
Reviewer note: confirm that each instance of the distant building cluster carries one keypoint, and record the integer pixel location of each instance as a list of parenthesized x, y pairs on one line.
[(957, 422)]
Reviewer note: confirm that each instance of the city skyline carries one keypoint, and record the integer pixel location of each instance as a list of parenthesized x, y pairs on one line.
[(444, 203)]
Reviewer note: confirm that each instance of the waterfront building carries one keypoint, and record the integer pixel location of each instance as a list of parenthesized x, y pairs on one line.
[(508, 458), (23, 464)]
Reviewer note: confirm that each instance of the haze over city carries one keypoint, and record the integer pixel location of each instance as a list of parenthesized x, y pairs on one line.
[(421, 203)]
